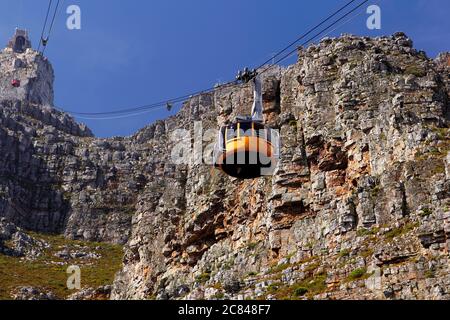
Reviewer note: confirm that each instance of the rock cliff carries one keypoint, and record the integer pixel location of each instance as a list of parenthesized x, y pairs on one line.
[(358, 206)]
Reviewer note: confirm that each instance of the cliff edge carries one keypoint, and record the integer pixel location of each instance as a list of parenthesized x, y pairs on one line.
[(358, 206)]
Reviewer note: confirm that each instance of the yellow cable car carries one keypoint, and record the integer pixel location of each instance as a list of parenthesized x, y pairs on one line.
[(247, 149)]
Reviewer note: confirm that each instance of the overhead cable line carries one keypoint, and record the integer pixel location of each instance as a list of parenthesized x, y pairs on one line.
[(305, 35), (154, 105), (324, 35), (51, 27), (120, 116), (161, 106), (45, 24), (235, 82), (316, 35)]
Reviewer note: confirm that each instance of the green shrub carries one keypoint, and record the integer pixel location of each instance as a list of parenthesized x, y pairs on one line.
[(310, 286), (252, 245), (318, 283), (429, 274), (357, 274), (300, 291), (362, 232), (312, 266), (273, 287), (416, 71), (375, 191), (396, 232), (204, 277), (344, 253), (426, 212), (279, 268), (366, 253), (219, 295)]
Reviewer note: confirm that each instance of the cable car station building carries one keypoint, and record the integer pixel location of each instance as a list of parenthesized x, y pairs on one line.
[(20, 41)]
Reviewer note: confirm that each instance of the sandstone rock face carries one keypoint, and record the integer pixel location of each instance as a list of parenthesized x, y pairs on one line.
[(54, 176), (33, 71), (14, 242), (357, 208), (358, 204)]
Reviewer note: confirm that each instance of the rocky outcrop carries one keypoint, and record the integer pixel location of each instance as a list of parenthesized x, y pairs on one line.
[(102, 293), (54, 176), (357, 208), (32, 294), (32, 70), (52, 171), (16, 243)]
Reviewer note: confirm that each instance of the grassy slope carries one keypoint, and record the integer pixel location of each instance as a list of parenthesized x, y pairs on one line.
[(16, 272)]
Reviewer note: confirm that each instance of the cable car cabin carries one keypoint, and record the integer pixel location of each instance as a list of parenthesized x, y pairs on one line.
[(246, 149), (15, 83)]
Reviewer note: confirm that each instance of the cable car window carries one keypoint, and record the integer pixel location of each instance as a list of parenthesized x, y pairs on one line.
[(261, 133), (260, 130), (231, 132), (246, 129)]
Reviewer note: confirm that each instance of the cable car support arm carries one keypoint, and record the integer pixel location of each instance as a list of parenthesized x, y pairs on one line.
[(257, 109)]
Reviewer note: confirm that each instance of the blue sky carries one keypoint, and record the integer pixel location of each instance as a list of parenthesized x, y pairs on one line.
[(136, 52)]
